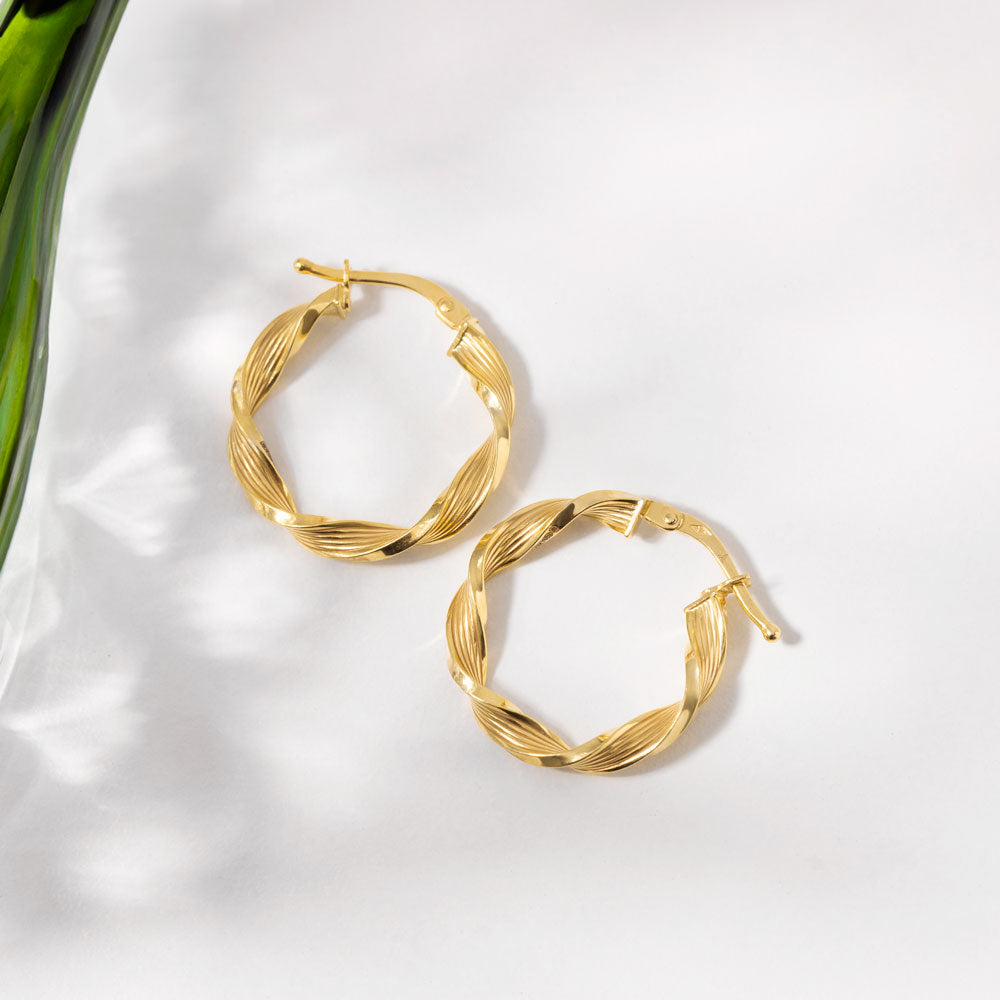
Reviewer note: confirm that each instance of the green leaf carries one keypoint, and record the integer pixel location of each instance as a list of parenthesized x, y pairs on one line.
[(50, 54)]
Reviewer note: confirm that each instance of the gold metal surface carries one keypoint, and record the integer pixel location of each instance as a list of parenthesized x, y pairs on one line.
[(514, 538), (366, 540)]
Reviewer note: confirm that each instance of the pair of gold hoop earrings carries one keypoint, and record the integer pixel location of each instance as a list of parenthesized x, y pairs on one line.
[(501, 547)]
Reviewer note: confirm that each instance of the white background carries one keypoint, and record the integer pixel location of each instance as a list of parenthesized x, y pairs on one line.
[(741, 257)]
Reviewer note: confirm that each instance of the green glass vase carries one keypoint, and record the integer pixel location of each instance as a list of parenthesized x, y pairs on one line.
[(50, 54)]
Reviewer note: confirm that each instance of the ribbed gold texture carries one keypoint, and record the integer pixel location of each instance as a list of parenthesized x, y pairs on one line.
[(525, 737), (366, 540)]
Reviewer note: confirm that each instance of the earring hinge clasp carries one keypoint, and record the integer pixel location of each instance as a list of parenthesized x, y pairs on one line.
[(449, 310), (671, 519)]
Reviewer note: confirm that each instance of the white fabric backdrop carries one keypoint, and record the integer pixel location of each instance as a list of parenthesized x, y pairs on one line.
[(740, 257)]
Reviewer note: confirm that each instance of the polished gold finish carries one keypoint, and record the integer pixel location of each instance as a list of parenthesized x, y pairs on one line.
[(365, 540), (649, 733)]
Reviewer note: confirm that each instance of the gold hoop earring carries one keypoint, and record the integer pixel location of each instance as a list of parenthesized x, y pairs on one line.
[(366, 540), (514, 538)]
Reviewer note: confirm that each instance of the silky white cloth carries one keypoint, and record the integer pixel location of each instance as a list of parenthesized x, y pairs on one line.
[(739, 257)]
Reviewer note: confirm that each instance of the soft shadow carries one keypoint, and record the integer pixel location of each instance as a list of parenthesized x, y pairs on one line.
[(130, 762)]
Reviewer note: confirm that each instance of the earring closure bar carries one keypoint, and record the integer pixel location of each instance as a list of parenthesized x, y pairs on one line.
[(670, 519), (449, 310)]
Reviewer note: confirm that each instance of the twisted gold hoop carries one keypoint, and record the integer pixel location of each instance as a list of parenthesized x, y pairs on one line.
[(366, 540), (649, 733)]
